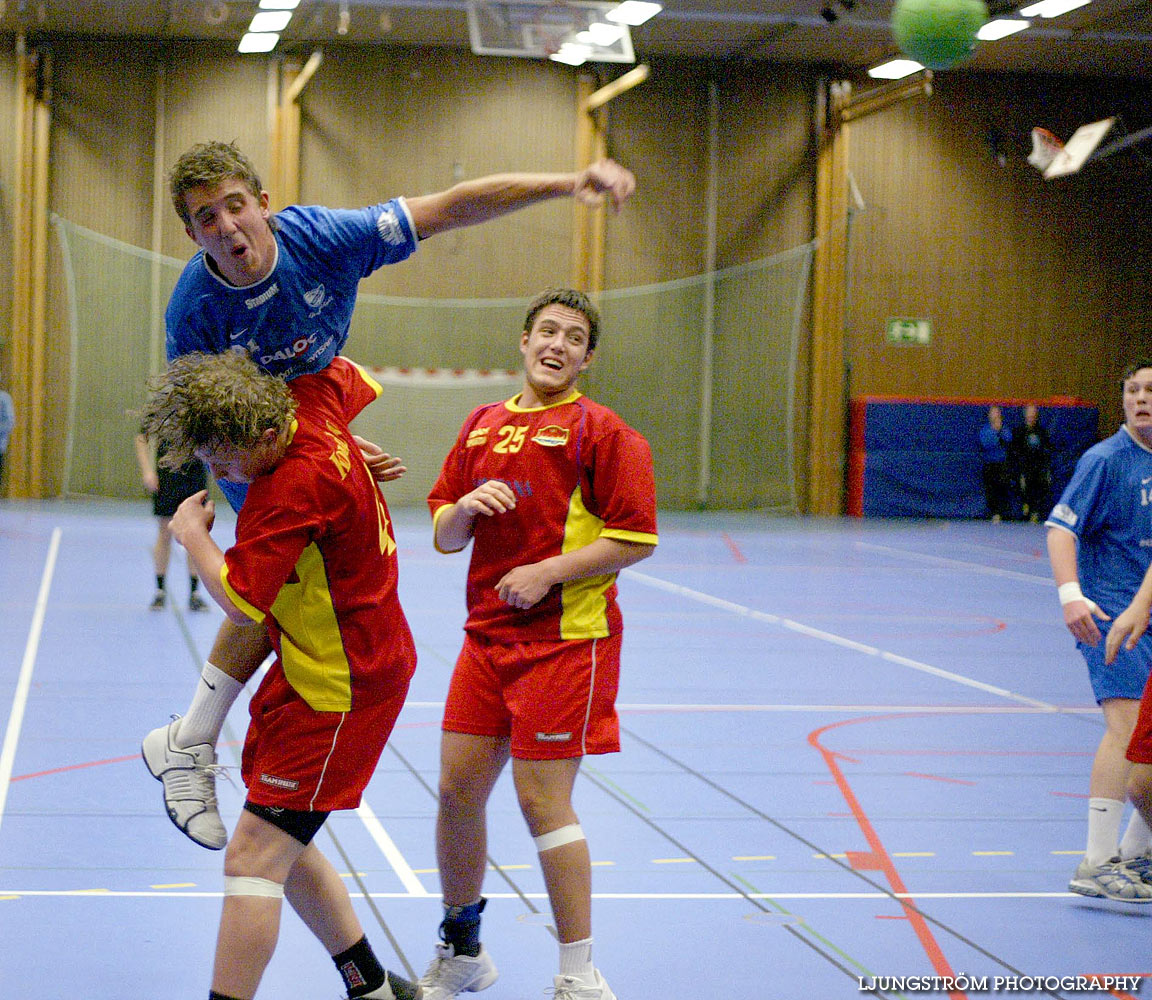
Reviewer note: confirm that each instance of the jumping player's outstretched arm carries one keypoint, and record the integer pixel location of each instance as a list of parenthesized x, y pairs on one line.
[(475, 201)]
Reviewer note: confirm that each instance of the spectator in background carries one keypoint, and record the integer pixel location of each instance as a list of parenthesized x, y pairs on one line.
[(169, 488), (7, 422), (1032, 462), (995, 441)]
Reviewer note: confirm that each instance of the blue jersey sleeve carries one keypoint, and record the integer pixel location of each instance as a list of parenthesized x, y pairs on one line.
[(1081, 502)]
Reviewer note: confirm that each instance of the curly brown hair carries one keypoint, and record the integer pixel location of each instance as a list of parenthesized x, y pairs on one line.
[(208, 164), (213, 401)]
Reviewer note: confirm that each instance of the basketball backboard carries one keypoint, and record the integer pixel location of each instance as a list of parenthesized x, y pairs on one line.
[(542, 29)]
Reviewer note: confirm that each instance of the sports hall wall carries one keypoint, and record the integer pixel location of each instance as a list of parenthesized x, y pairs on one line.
[(1033, 289)]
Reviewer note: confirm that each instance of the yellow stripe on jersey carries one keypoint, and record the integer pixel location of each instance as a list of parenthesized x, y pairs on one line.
[(584, 614), (311, 649), (252, 612)]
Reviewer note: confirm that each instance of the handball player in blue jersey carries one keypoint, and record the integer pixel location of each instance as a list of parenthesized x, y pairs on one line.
[(1100, 547), (282, 287)]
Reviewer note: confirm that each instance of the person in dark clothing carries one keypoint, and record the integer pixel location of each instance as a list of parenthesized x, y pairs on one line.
[(1032, 455), (995, 441)]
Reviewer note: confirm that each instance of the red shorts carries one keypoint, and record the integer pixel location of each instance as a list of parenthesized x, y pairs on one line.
[(1140, 746), (298, 758), (554, 699)]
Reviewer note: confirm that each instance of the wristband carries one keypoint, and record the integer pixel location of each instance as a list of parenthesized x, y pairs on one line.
[(1070, 592)]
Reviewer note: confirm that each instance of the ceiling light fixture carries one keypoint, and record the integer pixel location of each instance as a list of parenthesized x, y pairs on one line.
[(1052, 8), (1002, 27), (269, 21), (633, 12), (571, 54), (256, 42), (895, 69), (279, 4)]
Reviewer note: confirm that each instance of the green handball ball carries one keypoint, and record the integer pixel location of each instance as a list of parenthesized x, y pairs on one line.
[(937, 33)]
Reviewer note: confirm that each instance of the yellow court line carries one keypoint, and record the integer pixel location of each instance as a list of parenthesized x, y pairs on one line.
[(913, 854), (174, 885), (1076, 853), (352, 875), (829, 855)]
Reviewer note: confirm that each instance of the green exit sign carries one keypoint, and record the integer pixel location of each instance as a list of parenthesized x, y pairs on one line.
[(900, 330)]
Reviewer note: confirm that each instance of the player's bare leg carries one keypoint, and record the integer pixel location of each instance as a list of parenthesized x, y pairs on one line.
[(469, 767)]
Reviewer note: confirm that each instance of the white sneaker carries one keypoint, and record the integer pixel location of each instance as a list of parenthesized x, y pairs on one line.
[(189, 778), (1114, 880), (450, 974), (576, 988), (394, 988)]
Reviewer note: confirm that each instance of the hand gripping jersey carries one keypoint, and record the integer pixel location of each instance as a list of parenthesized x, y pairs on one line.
[(315, 558), (1107, 505), (579, 473), (295, 320)]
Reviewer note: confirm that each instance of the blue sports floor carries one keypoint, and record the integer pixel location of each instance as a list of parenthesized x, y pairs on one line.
[(854, 753)]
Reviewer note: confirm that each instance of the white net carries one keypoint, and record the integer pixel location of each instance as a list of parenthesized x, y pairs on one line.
[(704, 367)]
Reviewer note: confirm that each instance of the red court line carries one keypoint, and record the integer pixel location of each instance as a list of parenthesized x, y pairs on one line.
[(878, 858), (136, 756), (733, 548)]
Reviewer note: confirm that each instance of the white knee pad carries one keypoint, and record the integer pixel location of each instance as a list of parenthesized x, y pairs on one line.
[(247, 885), (558, 838)]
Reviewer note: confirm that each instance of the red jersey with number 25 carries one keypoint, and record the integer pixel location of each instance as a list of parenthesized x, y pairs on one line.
[(579, 473)]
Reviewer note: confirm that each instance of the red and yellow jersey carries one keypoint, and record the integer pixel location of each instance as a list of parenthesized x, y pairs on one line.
[(315, 558), (579, 473)]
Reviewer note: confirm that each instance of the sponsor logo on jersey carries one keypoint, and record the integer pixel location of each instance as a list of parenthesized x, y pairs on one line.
[(477, 436), (317, 300), (1062, 512), (388, 225), (263, 297), (288, 783), (552, 436), (553, 737), (299, 346)]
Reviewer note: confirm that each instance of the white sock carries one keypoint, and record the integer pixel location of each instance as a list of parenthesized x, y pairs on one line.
[(576, 959), (1137, 838), (1104, 816), (215, 693)]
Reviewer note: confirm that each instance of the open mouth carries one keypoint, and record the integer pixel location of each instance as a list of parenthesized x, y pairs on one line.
[(552, 364)]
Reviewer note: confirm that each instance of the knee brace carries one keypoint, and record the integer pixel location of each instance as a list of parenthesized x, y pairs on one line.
[(558, 838), (247, 885)]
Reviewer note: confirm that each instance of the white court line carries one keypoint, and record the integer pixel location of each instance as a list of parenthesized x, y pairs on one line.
[(408, 877), (1010, 574), (24, 684), (837, 640), (653, 896)]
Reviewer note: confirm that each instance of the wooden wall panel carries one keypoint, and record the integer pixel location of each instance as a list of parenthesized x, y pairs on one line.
[(7, 139), (1019, 276)]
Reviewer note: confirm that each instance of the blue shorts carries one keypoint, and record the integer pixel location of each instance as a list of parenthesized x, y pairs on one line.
[(1128, 673)]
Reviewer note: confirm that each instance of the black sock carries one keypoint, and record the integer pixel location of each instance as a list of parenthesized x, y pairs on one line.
[(193, 583), (461, 928), (159, 581), (361, 971), (213, 995)]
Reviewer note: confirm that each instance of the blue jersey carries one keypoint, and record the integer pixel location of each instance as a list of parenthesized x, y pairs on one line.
[(296, 320), (1107, 505)]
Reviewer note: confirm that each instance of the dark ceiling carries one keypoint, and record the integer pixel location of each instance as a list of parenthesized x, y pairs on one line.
[(1110, 38)]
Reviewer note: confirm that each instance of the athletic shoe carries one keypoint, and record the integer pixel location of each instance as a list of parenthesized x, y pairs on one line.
[(395, 988), (197, 603), (450, 974), (1114, 880), (159, 599), (575, 988), (189, 778), (1142, 866)]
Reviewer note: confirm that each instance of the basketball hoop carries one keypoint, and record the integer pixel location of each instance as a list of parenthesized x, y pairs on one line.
[(1045, 146)]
